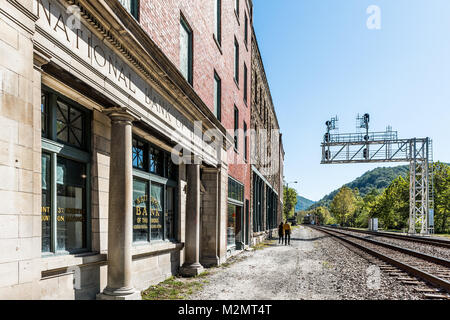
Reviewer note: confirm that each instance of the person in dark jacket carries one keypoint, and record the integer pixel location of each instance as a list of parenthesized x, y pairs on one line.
[(280, 233)]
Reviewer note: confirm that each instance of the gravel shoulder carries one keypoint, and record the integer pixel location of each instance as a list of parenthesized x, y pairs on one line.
[(313, 267)]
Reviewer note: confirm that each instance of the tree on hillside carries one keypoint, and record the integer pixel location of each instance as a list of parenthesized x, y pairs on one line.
[(442, 197), (343, 205), (392, 206), (364, 206), (290, 201)]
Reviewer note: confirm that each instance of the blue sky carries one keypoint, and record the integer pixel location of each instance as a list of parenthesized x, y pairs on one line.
[(321, 60)]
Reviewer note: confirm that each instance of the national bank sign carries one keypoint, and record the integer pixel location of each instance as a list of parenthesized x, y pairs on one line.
[(85, 48)]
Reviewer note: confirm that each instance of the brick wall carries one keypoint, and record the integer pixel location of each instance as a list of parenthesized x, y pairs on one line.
[(161, 19)]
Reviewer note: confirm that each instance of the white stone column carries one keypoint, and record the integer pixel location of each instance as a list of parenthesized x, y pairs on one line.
[(192, 266), (120, 212)]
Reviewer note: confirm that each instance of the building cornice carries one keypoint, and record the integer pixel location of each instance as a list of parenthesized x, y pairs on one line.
[(115, 25)]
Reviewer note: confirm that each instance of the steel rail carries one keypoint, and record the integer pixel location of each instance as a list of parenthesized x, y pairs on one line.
[(436, 281), (435, 242), (417, 254)]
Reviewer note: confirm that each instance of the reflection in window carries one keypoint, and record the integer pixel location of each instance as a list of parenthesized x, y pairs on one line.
[(140, 211), (71, 206), (170, 214), (157, 214), (231, 235), (156, 161), (138, 154), (46, 204), (44, 113), (69, 124)]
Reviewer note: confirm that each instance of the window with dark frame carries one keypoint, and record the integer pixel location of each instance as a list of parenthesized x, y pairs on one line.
[(218, 21), (65, 175), (245, 84), (154, 193), (246, 31), (245, 142), (236, 60), (132, 7), (236, 128), (217, 96), (186, 55)]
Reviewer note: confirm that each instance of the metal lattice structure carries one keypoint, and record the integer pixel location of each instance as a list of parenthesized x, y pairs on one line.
[(370, 147)]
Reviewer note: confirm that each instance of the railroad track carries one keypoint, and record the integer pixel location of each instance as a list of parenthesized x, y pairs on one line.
[(429, 241), (403, 263)]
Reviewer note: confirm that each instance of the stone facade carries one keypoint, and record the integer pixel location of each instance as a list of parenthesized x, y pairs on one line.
[(122, 76)]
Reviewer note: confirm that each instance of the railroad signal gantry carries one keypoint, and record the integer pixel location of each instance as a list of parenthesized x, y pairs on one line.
[(370, 147)]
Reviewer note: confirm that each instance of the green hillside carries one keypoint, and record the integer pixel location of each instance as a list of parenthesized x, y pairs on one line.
[(303, 203), (378, 178)]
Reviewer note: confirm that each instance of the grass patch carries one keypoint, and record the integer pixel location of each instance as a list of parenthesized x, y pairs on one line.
[(264, 244), (175, 288)]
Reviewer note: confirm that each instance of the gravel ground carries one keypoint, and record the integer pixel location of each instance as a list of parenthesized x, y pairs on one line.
[(314, 267)]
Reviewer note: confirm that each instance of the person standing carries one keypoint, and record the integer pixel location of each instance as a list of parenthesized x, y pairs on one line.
[(280, 233), (287, 233)]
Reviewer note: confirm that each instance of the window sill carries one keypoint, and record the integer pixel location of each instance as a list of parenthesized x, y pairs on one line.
[(218, 44), (52, 263), (147, 249)]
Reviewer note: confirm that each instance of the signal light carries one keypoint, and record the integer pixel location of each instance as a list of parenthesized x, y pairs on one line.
[(366, 154)]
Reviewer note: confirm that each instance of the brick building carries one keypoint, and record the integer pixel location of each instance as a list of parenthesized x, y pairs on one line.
[(267, 153), (122, 165)]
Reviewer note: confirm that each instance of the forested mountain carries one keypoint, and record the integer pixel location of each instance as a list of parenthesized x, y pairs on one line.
[(303, 203), (379, 178)]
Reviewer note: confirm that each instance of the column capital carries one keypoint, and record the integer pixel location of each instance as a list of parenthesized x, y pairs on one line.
[(120, 114)]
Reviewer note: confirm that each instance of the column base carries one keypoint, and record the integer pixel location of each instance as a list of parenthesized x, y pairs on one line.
[(210, 261), (191, 270), (119, 294), (133, 296)]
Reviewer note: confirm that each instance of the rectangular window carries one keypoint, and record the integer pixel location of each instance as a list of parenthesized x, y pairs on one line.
[(246, 30), (46, 203), (170, 214), (140, 211), (132, 7), (236, 61), (186, 51), (154, 198), (245, 84), (236, 128), (218, 20), (245, 141), (65, 175), (139, 158), (217, 96), (71, 205), (157, 212)]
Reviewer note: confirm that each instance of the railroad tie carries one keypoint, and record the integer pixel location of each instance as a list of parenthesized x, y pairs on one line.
[(436, 296)]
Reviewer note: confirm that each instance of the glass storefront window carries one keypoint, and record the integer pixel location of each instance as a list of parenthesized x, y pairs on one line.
[(170, 214), (140, 211), (71, 198), (139, 154), (157, 214), (46, 204), (65, 175), (231, 225)]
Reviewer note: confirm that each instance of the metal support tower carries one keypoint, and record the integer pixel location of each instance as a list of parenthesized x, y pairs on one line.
[(371, 147)]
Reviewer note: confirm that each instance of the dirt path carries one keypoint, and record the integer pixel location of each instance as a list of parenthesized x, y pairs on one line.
[(313, 267)]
